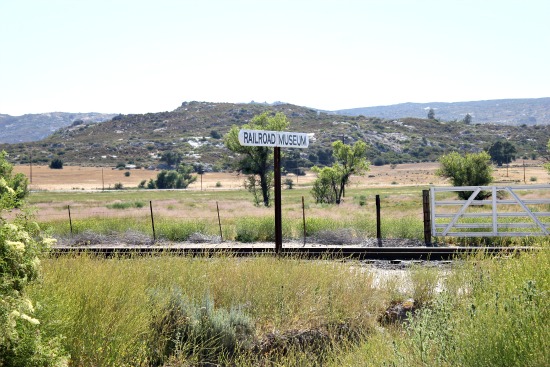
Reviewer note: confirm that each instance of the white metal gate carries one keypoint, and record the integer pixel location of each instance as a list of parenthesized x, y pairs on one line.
[(498, 211)]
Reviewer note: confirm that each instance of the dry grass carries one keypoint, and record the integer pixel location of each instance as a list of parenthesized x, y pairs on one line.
[(90, 178)]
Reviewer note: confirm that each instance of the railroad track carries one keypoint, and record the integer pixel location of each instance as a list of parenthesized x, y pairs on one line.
[(317, 252)]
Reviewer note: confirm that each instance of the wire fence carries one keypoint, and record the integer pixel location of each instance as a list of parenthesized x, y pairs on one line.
[(150, 221)]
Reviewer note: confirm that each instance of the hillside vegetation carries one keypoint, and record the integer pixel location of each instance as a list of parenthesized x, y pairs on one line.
[(532, 111), (196, 129)]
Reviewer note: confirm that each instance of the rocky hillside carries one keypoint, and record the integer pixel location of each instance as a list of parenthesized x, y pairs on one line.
[(196, 130), (33, 127), (499, 111)]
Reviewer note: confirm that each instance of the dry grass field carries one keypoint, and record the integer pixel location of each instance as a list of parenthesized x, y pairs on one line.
[(95, 178)]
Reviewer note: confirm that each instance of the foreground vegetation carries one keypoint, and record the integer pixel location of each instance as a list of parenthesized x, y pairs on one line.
[(188, 311)]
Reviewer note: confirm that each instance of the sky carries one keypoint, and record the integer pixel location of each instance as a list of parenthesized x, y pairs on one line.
[(137, 56)]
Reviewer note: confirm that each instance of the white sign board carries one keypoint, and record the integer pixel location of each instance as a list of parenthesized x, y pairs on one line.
[(281, 139)]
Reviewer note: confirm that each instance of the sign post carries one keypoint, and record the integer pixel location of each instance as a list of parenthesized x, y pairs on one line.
[(277, 140)]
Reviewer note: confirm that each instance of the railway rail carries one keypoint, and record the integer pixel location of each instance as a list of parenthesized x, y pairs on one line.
[(308, 252)]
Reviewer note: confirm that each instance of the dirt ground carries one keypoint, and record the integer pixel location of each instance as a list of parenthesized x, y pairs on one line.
[(96, 178)]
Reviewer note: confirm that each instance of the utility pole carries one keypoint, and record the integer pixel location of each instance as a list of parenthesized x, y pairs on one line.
[(30, 164)]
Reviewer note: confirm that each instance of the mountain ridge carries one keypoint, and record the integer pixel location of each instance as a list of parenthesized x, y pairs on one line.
[(37, 126), (195, 129), (528, 111)]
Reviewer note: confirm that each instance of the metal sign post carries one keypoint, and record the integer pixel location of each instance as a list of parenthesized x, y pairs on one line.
[(278, 140)]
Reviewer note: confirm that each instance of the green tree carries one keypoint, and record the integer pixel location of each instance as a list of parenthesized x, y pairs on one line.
[(502, 152), (471, 169), (56, 163), (172, 157), (171, 179), (257, 161), (332, 181), (467, 119), (431, 114)]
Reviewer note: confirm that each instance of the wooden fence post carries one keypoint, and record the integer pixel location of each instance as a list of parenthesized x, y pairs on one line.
[(70, 219), (378, 222), (219, 222), (304, 219), (152, 220), (427, 217)]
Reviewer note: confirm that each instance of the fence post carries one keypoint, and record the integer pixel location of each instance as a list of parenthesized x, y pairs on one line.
[(304, 219), (427, 217), (378, 222), (219, 221), (152, 220), (70, 219)]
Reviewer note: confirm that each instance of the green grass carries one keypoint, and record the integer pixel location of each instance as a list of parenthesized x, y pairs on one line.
[(106, 309), (482, 312), (491, 312)]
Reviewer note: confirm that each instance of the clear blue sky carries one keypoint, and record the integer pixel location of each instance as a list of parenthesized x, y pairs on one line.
[(136, 56)]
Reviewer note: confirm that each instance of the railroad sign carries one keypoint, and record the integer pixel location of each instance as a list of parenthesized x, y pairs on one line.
[(282, 139), (278, 140)]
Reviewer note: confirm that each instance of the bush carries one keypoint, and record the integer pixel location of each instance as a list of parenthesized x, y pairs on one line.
[(289, 183), (56, 164), (202, 332), (21, 244), (378, 161), (127, 173), (119, 186)]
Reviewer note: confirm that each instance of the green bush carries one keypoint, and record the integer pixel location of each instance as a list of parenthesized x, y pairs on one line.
[(126, 205), (56, 163), (200, 331), (21, 244)]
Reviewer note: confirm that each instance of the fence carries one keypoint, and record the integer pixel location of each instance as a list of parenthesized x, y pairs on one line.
[(489, 211), (207, 219)]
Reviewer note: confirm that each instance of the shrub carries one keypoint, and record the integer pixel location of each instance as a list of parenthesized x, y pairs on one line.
[(21, 243), (289, 183), (56, 164), (218, 184), (378, 161), (119, 186), (126, 205), (127, 173), (186, 329)]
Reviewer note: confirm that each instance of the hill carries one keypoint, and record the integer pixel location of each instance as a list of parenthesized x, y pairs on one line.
[(33, 127), (196, 129), (534, 111)]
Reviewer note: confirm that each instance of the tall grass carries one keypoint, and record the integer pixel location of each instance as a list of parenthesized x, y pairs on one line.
[(491, 312), (106, 309)]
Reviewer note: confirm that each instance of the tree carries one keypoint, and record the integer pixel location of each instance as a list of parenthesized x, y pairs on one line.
[(502, 152), (467, 119), (257, 160), (472, 169), (172, 157), (171, 179), (56, 163), (431, 114), (332, 181)]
